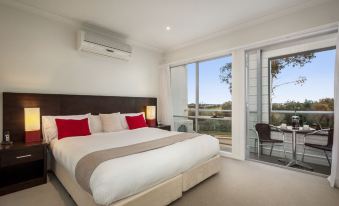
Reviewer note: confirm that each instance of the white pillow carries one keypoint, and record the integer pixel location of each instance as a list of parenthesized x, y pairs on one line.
[(49, 128), (111, 122), (123, 118), (95, 124)]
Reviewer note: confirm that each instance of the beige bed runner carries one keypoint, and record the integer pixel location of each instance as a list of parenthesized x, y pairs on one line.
[(86, 165)]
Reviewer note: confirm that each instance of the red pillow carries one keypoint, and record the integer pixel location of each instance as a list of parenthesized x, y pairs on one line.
[(72, 127), (135, 122)]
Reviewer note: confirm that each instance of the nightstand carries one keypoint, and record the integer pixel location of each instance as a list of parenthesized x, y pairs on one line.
[(164, 127), (22, 166)]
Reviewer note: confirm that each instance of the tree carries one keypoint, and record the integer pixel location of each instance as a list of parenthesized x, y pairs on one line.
[(300, 81), (277, 65), (298, 60), (226, 75), (226, 105), (326, 104), (329, 102)]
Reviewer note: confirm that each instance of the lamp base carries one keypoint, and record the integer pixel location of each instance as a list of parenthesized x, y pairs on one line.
[(32, 136), (151, 122)]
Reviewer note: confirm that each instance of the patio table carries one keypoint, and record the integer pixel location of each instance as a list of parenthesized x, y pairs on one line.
[(294, 161)]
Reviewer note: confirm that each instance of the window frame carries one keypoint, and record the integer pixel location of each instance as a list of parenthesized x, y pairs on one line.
[(283, 56), (196, 117)]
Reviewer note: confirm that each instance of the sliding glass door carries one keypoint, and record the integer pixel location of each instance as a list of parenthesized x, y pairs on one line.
[(303, 84), (294, 80), (202, 98)]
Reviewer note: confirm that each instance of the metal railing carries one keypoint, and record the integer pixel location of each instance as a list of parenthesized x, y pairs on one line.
[(205, 117), (209, 117), (209, 110), (230, 118), (301, 112)]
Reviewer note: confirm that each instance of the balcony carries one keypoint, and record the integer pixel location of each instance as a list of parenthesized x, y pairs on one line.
[(214, 122), (323, 118), (316, 158)]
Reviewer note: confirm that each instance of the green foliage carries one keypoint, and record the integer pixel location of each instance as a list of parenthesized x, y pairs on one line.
[(226, 105), (215, 127), (298, 61), (326, 104), (226, 75), (325, 120)]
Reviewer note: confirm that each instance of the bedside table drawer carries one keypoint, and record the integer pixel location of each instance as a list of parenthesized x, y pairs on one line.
[(21, 156)]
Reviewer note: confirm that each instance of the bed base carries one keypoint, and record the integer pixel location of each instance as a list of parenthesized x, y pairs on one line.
[(159, 195)]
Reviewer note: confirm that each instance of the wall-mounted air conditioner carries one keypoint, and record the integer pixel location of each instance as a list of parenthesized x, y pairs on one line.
[(102, 45)]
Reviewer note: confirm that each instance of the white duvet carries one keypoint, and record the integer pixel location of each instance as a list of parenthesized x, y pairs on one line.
[(125, 176)]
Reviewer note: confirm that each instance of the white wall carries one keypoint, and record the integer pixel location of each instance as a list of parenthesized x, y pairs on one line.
[(39, 55), (294, 22), (179, 90)]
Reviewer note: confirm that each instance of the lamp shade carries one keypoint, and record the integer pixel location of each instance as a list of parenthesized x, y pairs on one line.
[(32, 125), (150, 112), (151, 116), (32, 119)]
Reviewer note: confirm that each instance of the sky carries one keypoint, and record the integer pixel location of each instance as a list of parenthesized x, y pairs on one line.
[(319, 80), (211, 90), (319, 84)]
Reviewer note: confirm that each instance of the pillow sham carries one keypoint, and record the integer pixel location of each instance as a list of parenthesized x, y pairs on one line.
[(72, 127), (49, 128), (95, 124), (123, 118), (135, 122), (111, 122)]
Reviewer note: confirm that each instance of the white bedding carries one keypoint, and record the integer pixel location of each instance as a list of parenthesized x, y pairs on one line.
[(122, 177)]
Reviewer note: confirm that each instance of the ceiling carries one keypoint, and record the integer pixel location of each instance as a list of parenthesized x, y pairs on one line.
[(146, 20)]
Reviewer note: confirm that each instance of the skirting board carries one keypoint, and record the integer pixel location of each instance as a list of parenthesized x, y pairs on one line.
[(159, 195)]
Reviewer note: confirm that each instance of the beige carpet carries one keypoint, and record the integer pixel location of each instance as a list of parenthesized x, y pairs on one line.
[(239, 183)]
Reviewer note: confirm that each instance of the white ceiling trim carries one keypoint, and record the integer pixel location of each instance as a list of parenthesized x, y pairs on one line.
[(40, 12), (237, 27), (312, 32)]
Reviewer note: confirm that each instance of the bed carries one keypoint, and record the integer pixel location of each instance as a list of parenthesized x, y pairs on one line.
[(153, 177), (175, 168)]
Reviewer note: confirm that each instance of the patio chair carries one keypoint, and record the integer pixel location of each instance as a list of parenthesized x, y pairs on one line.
[(325, 148), (263, 132)]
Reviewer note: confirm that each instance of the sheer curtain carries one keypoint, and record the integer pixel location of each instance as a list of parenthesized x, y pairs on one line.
[(165, 113), (334, 177)]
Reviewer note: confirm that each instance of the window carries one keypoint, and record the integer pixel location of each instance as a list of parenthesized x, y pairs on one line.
[(302, 84), (202, 100)]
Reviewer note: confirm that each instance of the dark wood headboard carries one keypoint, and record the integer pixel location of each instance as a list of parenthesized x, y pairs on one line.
[(62, 104)]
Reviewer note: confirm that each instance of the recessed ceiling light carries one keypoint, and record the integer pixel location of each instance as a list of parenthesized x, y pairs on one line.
[(168, 28)]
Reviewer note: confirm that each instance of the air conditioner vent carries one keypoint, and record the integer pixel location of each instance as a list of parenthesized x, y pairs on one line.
[(99, 44)]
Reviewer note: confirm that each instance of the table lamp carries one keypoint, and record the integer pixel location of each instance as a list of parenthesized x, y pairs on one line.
[(151, 116), (32, 125)]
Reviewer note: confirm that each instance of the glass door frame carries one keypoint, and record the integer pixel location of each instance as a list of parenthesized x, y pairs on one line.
[(197, 86), (259, 85)]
